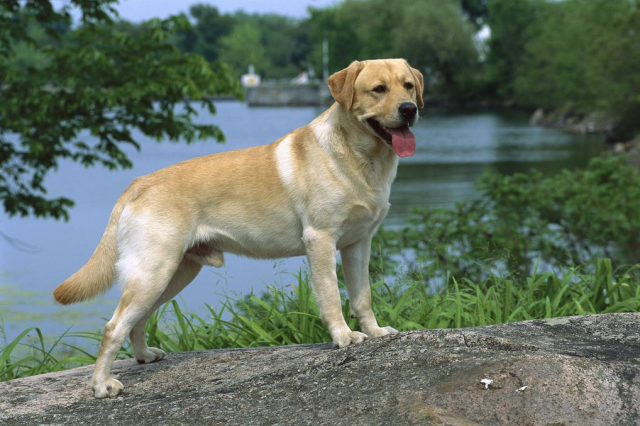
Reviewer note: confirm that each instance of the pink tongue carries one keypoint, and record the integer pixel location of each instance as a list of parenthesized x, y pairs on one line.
[(403, 141)]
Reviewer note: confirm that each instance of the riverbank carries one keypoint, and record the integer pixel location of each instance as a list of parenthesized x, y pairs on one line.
[(596, 123), (288, 95), (566, 119)]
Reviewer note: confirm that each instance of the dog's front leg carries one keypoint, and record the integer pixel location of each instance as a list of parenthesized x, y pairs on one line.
[(355, 263), (321, 252)]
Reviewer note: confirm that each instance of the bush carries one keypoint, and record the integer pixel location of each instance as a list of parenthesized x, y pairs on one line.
[(564, 220)]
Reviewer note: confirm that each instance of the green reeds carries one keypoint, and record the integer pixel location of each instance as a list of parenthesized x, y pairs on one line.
[(282, 316)]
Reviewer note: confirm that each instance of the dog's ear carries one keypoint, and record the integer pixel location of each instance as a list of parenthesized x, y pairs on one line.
[(341, 84), (417, 76)]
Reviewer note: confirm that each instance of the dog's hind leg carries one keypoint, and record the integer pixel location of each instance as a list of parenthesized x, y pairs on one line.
[(185, 273), (146, 276), (194, 259)]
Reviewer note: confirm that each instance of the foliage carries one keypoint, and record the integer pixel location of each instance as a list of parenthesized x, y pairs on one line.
[(277, 46), (446, 51), (335, 26), (585, 54), (517, 220), (242, 48), (285, 41), (280, 47), (580, 56), (90, 93), (510, 22), (432, 35), (476, 10), (208, 29), (283, 316)]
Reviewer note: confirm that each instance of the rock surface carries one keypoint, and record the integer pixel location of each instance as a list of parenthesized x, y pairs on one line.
[(633, 150), (593, 123), (566, 371)]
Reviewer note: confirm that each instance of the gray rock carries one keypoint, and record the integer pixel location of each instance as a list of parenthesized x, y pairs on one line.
[(537, 117), (633, 149), (566, 371)]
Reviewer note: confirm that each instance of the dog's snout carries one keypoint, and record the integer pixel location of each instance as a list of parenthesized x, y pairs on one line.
[(408, 110)]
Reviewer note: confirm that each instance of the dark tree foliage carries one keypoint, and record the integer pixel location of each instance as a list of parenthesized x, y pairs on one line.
[(574, 57), (93, 80), (433, 35), (437, 36), (204, 36), (583, 56), (476, 10), (277, 46), (510, 22), (333, 25)]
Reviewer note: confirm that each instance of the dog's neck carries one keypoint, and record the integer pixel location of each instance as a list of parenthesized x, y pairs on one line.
[(342, 137)]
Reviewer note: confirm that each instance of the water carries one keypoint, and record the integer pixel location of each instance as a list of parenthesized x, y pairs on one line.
[(454, 149)]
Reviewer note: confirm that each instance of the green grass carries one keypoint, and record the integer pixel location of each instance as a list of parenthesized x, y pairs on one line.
[(290, 316)]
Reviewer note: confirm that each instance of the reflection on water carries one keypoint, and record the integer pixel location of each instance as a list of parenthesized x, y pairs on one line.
[(454, 149)]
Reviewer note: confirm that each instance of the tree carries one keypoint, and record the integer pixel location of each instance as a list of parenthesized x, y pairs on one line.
[(286, 46), (96, 80), (441, 40), (204, 37), (278, 46), (335, 26), (430, 34), (476, 10), (243, 47), (510, 22), (584, 56)]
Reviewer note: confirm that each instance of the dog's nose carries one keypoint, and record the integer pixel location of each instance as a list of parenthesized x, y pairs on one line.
[(408, 110)]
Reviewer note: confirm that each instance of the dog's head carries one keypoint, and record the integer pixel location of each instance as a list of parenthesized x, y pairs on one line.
[(384, 96)]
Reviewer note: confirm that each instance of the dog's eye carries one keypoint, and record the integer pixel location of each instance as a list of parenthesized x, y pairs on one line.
[(408, 86), (380, 89)]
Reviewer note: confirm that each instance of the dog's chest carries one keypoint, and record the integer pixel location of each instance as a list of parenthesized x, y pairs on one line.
[(362, 219)]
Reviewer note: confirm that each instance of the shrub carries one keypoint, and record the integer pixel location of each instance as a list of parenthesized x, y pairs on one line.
[(564, 220)]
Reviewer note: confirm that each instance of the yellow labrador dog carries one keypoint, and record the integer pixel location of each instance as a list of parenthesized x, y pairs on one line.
[(323, 187)]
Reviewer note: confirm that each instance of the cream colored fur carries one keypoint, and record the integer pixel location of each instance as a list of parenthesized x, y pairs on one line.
[(323, 187)]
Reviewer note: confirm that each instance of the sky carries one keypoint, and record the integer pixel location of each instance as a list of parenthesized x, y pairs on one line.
[(140, 10)]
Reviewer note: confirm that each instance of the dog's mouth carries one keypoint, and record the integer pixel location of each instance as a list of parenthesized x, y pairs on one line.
[(400, 138)]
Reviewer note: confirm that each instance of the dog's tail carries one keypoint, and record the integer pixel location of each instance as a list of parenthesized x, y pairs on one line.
[(99, 273)]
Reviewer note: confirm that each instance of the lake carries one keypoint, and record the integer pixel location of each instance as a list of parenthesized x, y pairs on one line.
[(454, 148)]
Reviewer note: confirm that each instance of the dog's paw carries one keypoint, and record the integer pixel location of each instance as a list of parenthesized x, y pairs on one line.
[(347, 338), (150, 355), (381, 331), (111, 388)]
